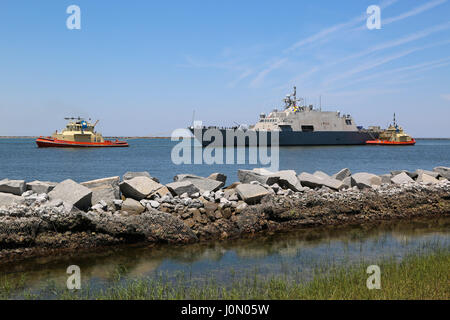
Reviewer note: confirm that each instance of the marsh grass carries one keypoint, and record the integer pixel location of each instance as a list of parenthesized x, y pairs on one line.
[(422, 275), (11, 284)]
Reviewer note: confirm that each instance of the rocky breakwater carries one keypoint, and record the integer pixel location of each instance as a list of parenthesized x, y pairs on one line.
[(40, 217)]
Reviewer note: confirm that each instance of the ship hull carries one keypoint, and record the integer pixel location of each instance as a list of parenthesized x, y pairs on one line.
[(55, 143), (290, 138)]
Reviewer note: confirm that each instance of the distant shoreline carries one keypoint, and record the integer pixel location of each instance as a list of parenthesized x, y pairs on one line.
[(35, 137), (432, 138)]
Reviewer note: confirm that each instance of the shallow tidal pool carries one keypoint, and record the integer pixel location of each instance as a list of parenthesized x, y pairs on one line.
[(297, 256)]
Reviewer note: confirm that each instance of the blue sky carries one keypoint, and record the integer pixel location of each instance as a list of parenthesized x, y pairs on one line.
[(142, 67)]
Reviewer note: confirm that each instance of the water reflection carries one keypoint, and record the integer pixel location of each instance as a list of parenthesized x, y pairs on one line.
[(270, 254)]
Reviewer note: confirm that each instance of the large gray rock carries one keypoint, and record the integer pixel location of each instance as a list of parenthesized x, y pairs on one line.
[(263, 171), (334, 184), (443, 172), (139, 187), (427, 172), (131, 175), (161, 192), (106, 189), (386, 179), (341, 175), (365, 180), (251, 193), (184, 176), (72, 193), (313, 181), (7, 199), (207, 184), (218, 177), (402, 178), (180, 187), (321, 175), (412, 175), (425, 178), (16, 187), (288, 179), (262, 176), (309, 180), (348, 181), (203, 184), (132, 206), (41, 186)]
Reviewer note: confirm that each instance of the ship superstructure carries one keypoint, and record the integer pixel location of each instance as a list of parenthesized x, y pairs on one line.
[(296, 124), (80, 130), (304, 118)]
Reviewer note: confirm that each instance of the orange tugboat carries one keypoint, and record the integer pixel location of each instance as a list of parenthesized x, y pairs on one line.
[(78, 133), (394, 136)]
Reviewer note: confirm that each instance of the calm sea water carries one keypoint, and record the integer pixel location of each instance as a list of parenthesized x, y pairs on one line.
[(21, 159)]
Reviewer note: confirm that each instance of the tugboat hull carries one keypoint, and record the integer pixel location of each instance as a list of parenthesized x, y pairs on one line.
[(55, 143), (391, 143)]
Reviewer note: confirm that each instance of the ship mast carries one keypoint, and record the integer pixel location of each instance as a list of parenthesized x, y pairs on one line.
[(295, 96), (291, 100)]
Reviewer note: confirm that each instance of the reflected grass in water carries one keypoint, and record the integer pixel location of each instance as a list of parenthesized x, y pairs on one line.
[(422, 275), (303, 252)]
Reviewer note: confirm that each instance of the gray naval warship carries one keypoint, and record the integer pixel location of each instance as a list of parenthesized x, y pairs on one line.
[(296, 124)]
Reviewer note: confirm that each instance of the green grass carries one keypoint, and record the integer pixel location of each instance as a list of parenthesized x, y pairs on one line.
[(10, 285), (418, 276)]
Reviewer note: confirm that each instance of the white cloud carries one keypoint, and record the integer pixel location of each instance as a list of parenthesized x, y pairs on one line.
[(370, 65), (323, 35), (409, 38), (406, 71), (383, 46), (196, 63), (318, 37), (256, 75), (414, 12), (242, 76), (408, 14), (261, 75), (329, 33), (445, 97), (382, 61)]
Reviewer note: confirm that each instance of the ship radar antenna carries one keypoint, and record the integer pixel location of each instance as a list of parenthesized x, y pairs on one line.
[(295, 96)]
